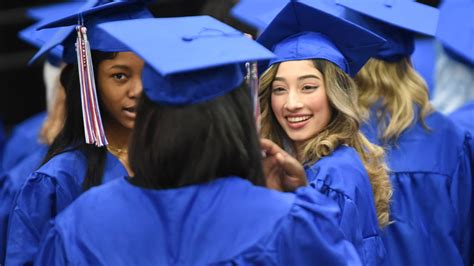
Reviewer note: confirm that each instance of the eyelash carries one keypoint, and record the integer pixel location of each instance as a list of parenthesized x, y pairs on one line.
[(116, 76), (307, 87), (277, 89)]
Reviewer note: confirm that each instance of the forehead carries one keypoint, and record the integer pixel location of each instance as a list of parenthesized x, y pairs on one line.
[(297, 68), (125, 59)]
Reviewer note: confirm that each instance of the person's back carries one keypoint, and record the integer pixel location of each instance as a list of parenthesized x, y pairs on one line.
[(426, 153), (225, 222), (45, 193), (429, 166), (197, 194), (464, 117), (23, 141), (10, 183)]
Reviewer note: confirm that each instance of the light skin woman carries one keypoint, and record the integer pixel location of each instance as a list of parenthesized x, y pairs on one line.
[(311, 116), (309, 109)]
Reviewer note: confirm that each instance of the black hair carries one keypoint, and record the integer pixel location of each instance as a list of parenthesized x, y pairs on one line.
[(72, 134), (175, 146)]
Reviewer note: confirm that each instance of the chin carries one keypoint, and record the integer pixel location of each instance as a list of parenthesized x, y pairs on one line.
[(128, 124)]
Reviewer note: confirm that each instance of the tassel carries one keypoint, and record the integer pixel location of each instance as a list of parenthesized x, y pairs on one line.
[(93, 128), (252, 78)]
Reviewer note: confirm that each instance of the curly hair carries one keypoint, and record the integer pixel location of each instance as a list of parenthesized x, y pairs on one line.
[(343, 129), (398, 94)]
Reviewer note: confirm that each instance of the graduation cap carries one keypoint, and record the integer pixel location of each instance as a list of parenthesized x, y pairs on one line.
[(311, 29), (456, 29), (188, 60), (257, 13), (42, 15), (90, 14), (79, 35), (395, 20), (55, 11)]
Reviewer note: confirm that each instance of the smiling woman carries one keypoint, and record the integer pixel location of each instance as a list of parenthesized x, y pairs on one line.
[(309, 107), (299, 100)]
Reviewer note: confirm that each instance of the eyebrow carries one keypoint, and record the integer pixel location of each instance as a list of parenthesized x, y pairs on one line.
[(299, 78), (308, 77), (124, 67)]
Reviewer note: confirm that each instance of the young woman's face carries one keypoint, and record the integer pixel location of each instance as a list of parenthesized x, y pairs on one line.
[(299, 100), (119, 85)]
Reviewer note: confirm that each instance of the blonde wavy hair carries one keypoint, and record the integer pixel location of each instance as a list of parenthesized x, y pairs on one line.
[(343, 129), (399, 93)]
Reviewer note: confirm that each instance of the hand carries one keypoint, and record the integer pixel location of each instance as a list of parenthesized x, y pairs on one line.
[(282, 171)]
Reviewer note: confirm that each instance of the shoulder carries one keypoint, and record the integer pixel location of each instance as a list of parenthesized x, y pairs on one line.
[(309, 234), (15, 177), (30, 126), (437, 149), (64, 172), (341, 171), (464, 116), (68, 163)]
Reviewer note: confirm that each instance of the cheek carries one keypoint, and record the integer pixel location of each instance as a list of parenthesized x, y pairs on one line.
[(324, 109), (108, 94), (276, 104), (318, 102)]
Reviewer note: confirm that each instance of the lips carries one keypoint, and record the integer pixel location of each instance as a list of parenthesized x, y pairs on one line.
[(297, 121), (130, 111)]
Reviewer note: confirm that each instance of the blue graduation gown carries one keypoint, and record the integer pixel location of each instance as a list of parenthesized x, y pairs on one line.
[(23, 141), (45, 193), (432, 186), (10, 184), (2, 143), (225, 222), (424, 60), (342, 177), (464, 117)]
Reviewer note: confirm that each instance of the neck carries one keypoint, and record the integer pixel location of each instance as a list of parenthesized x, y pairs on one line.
[(298, 147), (118, 138), (117, 135)]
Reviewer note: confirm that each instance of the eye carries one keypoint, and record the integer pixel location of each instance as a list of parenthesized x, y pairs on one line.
[(278, 90), (119, 76), (310, 88)]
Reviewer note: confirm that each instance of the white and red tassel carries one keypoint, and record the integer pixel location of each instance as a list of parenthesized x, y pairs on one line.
[(93, 128)]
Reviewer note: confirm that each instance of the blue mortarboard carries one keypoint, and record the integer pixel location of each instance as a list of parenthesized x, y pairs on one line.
[(312, 29), (39, 38), (395, 20), (456, 29), (44, 14), (257, 13), (188, 59), (91, 14), (53, 11)]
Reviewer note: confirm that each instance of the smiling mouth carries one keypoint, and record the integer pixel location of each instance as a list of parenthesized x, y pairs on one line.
[(298, 119)]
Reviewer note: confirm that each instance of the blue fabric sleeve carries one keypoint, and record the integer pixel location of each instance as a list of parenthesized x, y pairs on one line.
[(52, 251), (311, 235), (38, 201), (352, 220), (461, 196)]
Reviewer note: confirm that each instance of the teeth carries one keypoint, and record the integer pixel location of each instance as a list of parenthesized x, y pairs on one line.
[(295, 119)]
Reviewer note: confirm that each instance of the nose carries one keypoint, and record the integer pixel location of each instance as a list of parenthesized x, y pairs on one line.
[(294, 102), (136, 88)]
